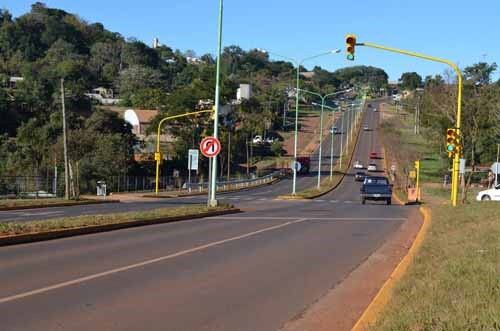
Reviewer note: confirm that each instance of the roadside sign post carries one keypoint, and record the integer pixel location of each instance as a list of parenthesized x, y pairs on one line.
[(211, 147), (193, 156)]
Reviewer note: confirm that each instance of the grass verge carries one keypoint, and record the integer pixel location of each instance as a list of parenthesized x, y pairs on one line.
[(454, 281), (13, 228)]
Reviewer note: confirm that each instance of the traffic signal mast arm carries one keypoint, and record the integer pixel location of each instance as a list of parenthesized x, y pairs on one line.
[(456, 156)]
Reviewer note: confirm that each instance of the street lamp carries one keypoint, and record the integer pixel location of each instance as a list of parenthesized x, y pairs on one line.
[(212, 200), (298, 64), (320, 156)]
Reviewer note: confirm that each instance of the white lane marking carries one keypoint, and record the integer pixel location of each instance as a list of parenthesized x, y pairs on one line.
[(334, 201), (262, 199), (260, 193), (144, 263), (348, 201), (319, 200), (265, 218)]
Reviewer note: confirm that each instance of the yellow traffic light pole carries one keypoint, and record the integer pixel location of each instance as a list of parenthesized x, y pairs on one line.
[(456, 158), (158, 153), (417, 168)]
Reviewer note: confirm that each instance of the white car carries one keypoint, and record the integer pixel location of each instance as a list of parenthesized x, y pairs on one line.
[(358, 165), (372, 167), (366, 128), (491, 194), (257, 140)]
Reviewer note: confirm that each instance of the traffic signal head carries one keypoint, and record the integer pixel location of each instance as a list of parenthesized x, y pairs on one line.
[(350, 41), (452, 142)]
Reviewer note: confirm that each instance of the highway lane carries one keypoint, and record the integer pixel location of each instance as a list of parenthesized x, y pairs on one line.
[(251, 271)]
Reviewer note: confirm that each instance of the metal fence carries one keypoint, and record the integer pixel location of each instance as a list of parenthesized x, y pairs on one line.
[(50, 187), (31, 186)]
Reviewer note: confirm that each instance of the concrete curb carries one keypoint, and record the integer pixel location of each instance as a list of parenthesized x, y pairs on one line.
[(341, 178), (173, 196), (64, 233), (372, 312), (62, 204)]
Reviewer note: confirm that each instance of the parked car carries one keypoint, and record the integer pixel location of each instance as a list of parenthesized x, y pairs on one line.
[(358, 165), (257, 140), (376, 188), (372, 167), (492, 194), (359, 176)]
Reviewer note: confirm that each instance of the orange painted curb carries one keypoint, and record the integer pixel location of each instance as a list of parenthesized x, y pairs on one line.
[(372, 312)]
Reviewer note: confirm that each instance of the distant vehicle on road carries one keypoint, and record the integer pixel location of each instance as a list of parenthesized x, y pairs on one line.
[(376, 188), (493, 194), (305, 163), (358, 165), (359, 176), (366, 128), (369, 105), (334, 130), (373, 155), (372, 167)]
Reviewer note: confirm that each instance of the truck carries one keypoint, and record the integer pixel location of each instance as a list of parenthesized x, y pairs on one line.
[(305, 163), (376, 188)]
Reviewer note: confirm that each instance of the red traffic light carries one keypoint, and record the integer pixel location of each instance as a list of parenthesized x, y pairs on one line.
[(350, 39)]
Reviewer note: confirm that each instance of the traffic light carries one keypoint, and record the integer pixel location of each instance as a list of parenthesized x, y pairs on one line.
[(350, 41), (452, 142), (417, 165)]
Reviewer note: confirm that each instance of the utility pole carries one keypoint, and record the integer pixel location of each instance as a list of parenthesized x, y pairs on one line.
[(229, 155), (65, 143)]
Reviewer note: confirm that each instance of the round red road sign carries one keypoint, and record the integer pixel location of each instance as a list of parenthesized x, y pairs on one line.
[(210, 146)]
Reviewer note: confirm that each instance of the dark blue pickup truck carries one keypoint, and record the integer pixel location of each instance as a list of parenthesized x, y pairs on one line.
[(376, 188)]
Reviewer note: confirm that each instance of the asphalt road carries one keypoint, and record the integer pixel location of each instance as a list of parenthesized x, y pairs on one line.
[(251, 271)]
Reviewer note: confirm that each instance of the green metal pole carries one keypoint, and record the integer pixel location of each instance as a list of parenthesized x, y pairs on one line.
[(296, 129), (331, 146), (320, 156), (213, 201)]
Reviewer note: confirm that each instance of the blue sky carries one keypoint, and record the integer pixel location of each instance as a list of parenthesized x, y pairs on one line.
[(463, 31)]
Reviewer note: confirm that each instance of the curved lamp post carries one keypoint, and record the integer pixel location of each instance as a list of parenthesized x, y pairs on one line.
[(298, 63)]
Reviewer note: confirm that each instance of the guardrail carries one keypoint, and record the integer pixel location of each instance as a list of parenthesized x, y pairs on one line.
[(237, 184)]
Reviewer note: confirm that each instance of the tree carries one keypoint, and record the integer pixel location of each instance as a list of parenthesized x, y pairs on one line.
[(410, 81), (480, 73), (136, 78)]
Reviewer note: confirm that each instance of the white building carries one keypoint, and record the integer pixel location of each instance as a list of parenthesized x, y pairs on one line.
[(244, 92)]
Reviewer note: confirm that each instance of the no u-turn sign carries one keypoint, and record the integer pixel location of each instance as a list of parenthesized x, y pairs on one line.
[(210, 146)]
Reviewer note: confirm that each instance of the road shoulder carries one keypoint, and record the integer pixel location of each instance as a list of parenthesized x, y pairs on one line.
[(342, 306)]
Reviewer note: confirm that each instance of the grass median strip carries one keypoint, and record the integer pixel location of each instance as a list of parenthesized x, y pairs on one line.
[(34, 203), (32, 227)]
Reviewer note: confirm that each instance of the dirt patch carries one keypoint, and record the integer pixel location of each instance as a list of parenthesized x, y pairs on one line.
[(308, 139), (342, 306)]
